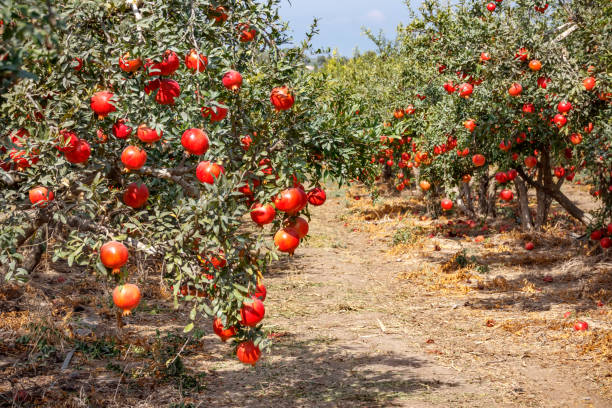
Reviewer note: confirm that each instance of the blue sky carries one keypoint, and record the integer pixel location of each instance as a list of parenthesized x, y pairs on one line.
[(341, 20)]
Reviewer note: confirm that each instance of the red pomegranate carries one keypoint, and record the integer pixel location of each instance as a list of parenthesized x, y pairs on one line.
[(68, 141), (147, 135), (248, 353), (195, 141), (465, 90), (478, 160), (290, 200), (167, 90), (133, 157), (287, 240), (317, 196), (214, 114), (167, 66), (126, 297), (282, 98), (589, 83), (207, 172), (221, 331), (470, 125), (605, 243), (501, 177), (247, 33), (531, 162), (528, 108), (299, 224), (262, 214), (129, 65), (559, 120), (232, 80), (491, 7), (101, 103), (252, 312), (446, 204), (40, 196), (113, 255), (121, 130), (506, 195), (80, 153), (512, 174), (195, 62), (515, 89), (136, 195), (564, 107), (260, 292)]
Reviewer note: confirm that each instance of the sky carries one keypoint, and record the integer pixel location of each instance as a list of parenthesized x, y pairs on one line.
[(341, 21)]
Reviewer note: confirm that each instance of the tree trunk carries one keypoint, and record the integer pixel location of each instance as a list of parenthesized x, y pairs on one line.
[(545, 179), (523, 201), (465, 192)]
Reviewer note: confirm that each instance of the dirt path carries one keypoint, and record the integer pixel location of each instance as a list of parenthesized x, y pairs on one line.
[(352, 335)]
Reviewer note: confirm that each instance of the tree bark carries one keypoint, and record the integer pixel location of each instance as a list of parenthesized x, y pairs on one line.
[(523, 201)]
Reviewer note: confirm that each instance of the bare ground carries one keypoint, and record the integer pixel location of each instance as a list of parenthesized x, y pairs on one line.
[(379, 308)]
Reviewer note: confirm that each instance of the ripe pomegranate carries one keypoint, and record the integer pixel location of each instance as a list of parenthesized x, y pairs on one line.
[(121, 130), (196, 62), (147, 135), (478, 160), (290, 200), (589, 83), (248, 353), (167, 90), (126, 297), (559, 172), (605, 243), (129, 65), (409, 110), (505, 146), (425, 185), (136, 195), (449, 87), (316, 196), (465, 90), (543, 82), (214, 114), (446, 204), (398, 114), (470, 125), (521, 54), (282, 98), (40, 196), (576, 138), (529, 246), (260, 292), (299, 224), (221, 331), (79, 64), (531, 162), (113, 255), (262, 214), (512, 174), (609, 229), (133, 157), (466, 178), (195, 141), (101, 103), (535, 65), (484, 56), (232, 80), (252, 312), (501, 177), (167, 66), (559, 120), (491, 7), (80, 153), (207, 172), (506, 195), (219, 14), (528, 108), (247, 33), (581, 326), (68, 141), (287, 240), (515, 89), (564, 107)]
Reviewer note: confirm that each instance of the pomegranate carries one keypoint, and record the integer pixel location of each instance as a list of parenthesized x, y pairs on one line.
[(282, 98), (195, 141), (521, 54), (136, 195), (113, 255), (232, 80), (167, 66), (470, 125), (40, 196), (512, 174), (559, 172), (478, 160), (215, 114), (248, 353), (121, 130), (576, 138), (449, 87), (252, 312), (133, 157), (529, 246), (605, 243), (219, 14), (559, 120), (299, 224), (535, 65), (129, 65), (260, 292), (196, 62), (246, 141), (126, 297), (167, 90), (543, 82), (409, 110), (262, 214), (491, 7), (287, 240), (465, 90), (446, 204), (528, 108), (147, 135), (207, 172), (589, 83), (564, 107), (484, 56), (501, 177), (515, 89), (221, 331), (581, 326), (80, 153), (425, 185), (68, 141), (531, 162), (247, 34), (290, 200), (506, 195), (101, 103), (316, 196), (79, 64)]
